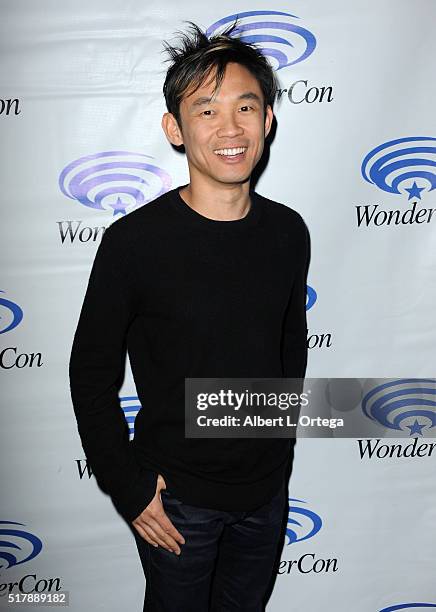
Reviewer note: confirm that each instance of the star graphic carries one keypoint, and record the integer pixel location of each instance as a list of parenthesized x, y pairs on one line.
[(119, 207), (414, 191), (415, 428)]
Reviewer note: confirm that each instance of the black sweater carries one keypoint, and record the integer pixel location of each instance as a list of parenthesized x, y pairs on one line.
[(188, 296)]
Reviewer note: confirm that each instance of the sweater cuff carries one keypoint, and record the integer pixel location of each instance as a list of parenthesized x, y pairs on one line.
[(138, 496)]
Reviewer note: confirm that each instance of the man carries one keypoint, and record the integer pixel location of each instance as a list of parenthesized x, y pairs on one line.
[(207, 280)]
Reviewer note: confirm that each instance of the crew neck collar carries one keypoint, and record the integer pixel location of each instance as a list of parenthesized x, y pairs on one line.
[(195, 218)]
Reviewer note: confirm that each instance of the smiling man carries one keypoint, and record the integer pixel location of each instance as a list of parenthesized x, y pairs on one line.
[(223, 133), (208, 281)]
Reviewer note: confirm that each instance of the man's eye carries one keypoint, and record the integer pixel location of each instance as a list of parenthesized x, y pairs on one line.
[(210, 112)]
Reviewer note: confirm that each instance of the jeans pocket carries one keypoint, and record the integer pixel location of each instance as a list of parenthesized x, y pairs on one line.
[(168, 497)]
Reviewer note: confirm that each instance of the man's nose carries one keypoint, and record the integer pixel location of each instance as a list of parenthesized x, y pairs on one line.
[(229, 126)]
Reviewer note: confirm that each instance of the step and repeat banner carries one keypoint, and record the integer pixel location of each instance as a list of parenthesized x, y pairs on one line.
[(354, 153)]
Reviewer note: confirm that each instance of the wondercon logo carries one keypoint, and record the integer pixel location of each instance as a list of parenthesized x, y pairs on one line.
[(409, 606), (131, 406), (275, 32), (310, 297), (12, 314), (305, 525), (405, 165), (117, 180), (13, 543), (404, 403)]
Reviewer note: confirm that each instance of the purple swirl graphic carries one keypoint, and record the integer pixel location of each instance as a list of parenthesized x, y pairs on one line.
[(7, 544), (17, 314), (409, 607), (396, 163), (118, 180), (391, 403), (315, 520), (278, 38)]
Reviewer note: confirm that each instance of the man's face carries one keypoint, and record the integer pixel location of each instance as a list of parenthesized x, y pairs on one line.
[(224, 136)]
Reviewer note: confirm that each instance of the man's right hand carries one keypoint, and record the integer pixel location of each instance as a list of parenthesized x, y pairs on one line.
[(154, 525)]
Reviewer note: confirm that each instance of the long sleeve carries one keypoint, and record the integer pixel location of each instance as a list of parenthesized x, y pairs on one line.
[(95, 370), (294, 339)]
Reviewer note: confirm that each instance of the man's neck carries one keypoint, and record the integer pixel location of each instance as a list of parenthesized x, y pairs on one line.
[(218, 202)]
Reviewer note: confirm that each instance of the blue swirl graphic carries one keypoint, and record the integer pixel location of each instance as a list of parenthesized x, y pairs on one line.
[(272, 31), (310, 297), (9, 557), (123, 175), (314, 518), (394, 163), (17, 314), (130, 411), (391, 403), (408, 606)]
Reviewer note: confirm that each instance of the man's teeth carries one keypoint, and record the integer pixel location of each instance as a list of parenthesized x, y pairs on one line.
[(230, 151)]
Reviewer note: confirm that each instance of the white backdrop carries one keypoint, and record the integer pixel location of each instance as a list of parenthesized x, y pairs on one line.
[(355, 129)]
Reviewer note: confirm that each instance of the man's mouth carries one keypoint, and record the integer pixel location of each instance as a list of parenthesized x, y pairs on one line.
[(234, 153)]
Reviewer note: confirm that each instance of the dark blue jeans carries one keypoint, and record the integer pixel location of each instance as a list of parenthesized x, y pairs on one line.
[(226, 564)]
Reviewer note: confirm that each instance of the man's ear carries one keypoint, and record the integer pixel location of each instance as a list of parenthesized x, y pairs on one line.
[(269, 115), (171, 129)]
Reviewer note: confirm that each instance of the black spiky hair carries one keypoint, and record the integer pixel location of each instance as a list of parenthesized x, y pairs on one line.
[(197, 56)]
